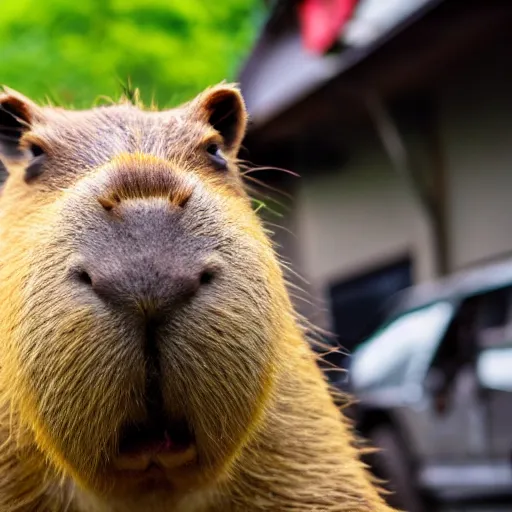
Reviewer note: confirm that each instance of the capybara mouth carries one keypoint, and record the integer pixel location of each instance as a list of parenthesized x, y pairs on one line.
[(156, 446), (155, 437)]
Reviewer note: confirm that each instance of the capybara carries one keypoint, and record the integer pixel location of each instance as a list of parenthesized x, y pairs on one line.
[(150, 357)]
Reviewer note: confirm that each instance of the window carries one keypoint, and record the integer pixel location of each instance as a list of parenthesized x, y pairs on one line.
[(493, 369), (480, 323), (358, 304)]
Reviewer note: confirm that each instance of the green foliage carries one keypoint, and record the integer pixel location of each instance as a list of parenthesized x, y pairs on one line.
[(72, 51)]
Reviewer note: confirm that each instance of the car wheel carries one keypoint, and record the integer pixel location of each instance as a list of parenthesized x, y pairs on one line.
[(392, 464)]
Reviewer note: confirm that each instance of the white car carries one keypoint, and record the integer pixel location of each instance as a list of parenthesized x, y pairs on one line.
[(433, 387)]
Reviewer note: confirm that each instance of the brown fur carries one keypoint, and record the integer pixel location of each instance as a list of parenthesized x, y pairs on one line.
[(235, 362)]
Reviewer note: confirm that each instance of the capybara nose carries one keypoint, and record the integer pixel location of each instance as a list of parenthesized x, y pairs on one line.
[(143, 252), (147, 285), (143, 259)]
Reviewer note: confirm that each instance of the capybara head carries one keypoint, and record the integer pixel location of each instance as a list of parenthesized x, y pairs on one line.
[(141, 299)]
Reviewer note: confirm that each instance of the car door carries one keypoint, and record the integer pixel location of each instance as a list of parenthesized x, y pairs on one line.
[(494, 373), (459, 412), (451, 416), (388, 370), (449, 393), (494, 369)]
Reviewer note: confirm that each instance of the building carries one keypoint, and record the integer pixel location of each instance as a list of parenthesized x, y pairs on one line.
[(402, 137)]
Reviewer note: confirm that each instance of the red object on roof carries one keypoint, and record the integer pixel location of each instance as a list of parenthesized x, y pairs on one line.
[(322, 21)]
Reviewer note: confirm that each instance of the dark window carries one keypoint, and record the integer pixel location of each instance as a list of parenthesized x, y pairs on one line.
[(492, 328), (358, 304)]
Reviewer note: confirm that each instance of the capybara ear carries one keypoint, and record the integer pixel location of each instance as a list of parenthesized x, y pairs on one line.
[(17, 114), (224, 109)]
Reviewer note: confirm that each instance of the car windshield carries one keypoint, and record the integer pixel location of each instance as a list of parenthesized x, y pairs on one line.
[(403, 346)]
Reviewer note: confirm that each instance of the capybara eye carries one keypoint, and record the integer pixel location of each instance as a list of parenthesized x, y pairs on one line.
[(3, 171), (216, 156), (35, 167), (36, 150)]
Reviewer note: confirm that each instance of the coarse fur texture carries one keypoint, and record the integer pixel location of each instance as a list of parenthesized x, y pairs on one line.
[(106, 217)]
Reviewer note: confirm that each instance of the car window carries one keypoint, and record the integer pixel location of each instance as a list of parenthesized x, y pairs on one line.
[(386, 358), (480, 323), (493, 369), (493, 326)]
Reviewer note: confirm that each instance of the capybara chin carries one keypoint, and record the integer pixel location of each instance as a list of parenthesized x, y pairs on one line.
[(150, 357)]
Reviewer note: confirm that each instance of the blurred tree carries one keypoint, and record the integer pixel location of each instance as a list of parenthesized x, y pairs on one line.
[(72, 52)]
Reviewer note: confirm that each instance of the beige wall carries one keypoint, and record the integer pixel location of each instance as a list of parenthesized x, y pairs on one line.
[(358, 218), (477, 136)]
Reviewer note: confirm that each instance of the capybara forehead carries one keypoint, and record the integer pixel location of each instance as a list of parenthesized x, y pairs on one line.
[(80, 140)]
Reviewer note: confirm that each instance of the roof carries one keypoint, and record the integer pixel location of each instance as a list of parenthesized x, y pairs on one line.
[(307, 71), (288, 90), (374, 18)]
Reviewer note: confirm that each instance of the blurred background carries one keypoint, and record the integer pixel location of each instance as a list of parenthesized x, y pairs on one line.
[(75, 52), (380, 144)]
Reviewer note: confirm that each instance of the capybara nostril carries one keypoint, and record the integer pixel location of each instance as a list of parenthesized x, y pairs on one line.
[(84, 277), (206, 277), (79, 274), (108, 202), (182, 200)]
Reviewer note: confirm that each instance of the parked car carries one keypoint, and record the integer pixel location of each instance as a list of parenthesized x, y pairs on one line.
[(433, 387)]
